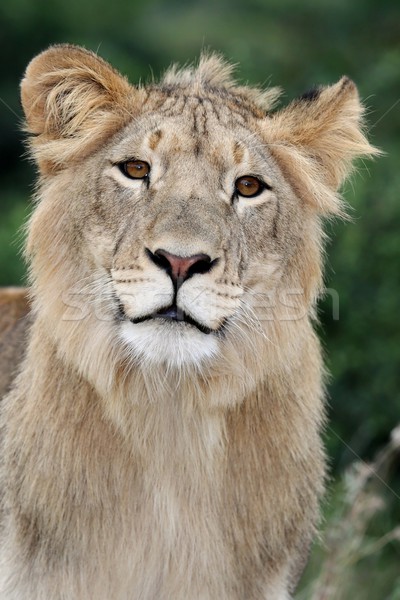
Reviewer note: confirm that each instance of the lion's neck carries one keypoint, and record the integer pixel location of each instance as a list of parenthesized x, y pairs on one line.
[(155, 475), (165, 420)]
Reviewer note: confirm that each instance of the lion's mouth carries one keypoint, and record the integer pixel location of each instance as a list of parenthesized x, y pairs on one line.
[(174, 313)]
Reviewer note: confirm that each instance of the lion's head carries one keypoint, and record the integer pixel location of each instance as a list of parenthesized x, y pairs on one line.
[(178, 223)]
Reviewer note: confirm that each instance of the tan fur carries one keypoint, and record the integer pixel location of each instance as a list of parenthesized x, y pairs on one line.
[(14, 309), (152, 460)]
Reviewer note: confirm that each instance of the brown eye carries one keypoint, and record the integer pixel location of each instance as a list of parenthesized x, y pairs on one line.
[(249, 186), (135, 169)]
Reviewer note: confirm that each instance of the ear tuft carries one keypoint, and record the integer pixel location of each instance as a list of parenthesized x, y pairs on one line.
[(72, 99), (317, 137)]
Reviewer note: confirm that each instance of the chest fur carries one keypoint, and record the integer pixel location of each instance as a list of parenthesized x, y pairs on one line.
[(187, 504)]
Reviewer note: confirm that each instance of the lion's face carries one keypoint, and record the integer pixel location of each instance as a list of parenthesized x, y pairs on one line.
[(192, 223), (184, 211)]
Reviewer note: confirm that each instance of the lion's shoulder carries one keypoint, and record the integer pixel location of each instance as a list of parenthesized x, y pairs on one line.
[(14, 311)]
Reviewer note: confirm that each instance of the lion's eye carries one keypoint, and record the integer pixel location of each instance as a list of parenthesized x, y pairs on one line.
[(135, 169), (249, 186)]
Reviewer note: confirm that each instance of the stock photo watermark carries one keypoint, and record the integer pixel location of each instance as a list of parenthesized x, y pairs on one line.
[(283, 305)]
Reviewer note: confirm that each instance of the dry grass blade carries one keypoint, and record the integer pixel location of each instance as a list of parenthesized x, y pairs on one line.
[(345, 541)]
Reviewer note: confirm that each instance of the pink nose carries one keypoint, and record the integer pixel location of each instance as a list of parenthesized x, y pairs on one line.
[(181, 268)]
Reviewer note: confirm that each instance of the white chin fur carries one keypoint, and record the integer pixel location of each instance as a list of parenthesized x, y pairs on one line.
[(172, 344)]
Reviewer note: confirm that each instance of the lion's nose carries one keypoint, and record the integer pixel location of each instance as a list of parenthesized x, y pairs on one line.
[(180, 268)]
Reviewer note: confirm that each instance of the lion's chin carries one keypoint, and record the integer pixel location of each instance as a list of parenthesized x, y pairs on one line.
[(175, 345)]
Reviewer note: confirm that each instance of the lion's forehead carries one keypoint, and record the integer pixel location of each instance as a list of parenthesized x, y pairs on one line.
[(220, 130), (216, 105)]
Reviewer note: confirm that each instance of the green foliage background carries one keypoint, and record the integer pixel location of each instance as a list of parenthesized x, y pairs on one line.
[(279, 42)]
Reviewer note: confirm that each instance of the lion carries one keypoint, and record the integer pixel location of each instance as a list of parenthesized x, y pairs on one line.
[(162, 437)]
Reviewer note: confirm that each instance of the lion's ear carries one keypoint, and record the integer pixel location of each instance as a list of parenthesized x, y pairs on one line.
[(72, 100), (317, 137)]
